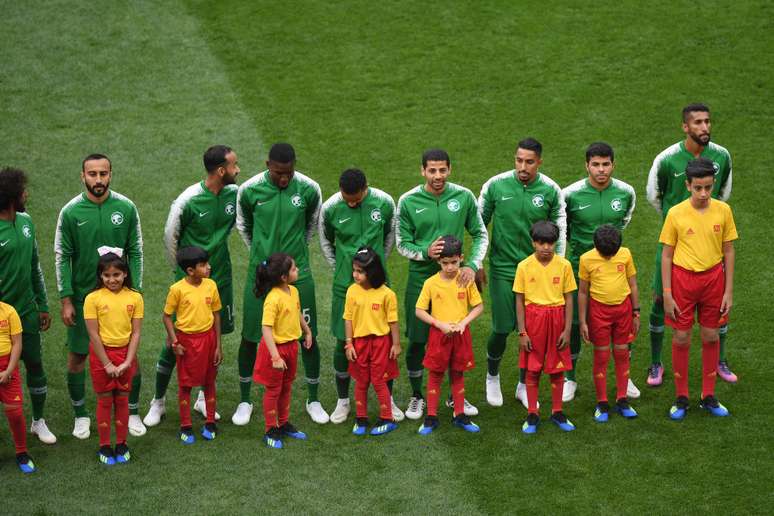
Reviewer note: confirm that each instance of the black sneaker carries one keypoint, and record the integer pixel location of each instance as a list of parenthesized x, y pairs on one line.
[(105, 456), (678, 410), (560, 420), (273, 438), (622, 407), (209, 431), (464, 422), (713, 406), (531, 423), (430, 424), (601, 412), (24, 461), (291, 431), (122, 454)]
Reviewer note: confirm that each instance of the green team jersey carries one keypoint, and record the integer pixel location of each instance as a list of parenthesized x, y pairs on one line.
[(513, 207), (423, 217), (82, 228), (666, 180), (588, 208), (200, 218), (343, 230), (273, 220), (21, 278)]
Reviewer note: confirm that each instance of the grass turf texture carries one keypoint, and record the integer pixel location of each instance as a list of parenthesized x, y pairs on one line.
[(351, 84)]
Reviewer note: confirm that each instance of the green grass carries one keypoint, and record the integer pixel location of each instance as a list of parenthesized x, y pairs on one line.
[(372, 85)]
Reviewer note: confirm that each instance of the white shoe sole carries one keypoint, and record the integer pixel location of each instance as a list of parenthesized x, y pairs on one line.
[(339, 416), (135, 429), (243, 420), (45, 438)]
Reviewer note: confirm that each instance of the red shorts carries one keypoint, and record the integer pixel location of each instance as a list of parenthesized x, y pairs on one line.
[(195, 367), (698, 291), (373, 361), (544, 325), (10, 392), (452, 351), (100, 379), (610, 322), (265, 374)]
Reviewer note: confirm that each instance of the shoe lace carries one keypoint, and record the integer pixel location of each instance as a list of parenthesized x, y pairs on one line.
[(414, 404), (723, 366)]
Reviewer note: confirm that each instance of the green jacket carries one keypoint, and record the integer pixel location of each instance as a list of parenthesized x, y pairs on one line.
[(21, 278)]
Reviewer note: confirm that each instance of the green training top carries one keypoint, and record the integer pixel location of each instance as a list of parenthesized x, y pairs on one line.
[(21, 278)]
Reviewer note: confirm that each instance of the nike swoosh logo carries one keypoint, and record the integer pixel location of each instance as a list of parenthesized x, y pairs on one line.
[(506, 198), (583, 207), (680, 174), (342, 221), (81, 223), (259, 203), (203, 214), (3, 243), (420, 211)]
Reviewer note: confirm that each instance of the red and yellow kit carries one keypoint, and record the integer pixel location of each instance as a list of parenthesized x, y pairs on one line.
[(10, 325)]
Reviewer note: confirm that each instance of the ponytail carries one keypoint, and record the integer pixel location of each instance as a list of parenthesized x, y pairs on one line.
[(269, 272)]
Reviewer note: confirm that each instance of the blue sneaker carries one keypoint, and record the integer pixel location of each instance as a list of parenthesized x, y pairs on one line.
[(209, 431), (105, 456), (383, 426), (623, 408), (24, 461), (187, 436), (122, 454), (560, 420), (678, 410), (430, 424), (602, 412), (273, 439), (464, 422), (530, 425), (713, 406), (291, 431), (361, 426)]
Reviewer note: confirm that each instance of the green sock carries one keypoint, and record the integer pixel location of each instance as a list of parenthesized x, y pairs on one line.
[(76, 386), (37, 384), (246, 363), (134, 394), (575, 348), (495, 347), (522, 375), (311, 360), (341, 366), (164, 368), (656, 325), (723, 335), (414, 357)]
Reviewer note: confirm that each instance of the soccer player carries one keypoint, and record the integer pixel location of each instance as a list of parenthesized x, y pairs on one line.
[(666, 188), (95, 218), (202, 216), (598, 199), (425, 214), (513, 201), (22, 286), (357, 216), (697, 271), (277, 212)]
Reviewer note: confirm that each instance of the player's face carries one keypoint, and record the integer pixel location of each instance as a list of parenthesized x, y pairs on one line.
[(527, 164), (230, 169), (450, 265), (113, 278), (358, 274), (544, 250), (436, 173), (281, 173), (202, 270), (354, 200), (96, 176), (701, 190), (292, 275), (600, 169), (698, 127)]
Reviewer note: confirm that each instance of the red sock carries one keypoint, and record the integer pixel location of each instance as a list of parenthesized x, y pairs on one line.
[(710, 354), (557, 386), (121, 404), (104, 406), (184, 404), (680, 356), (457, 380), (601, 359), (18, 425), (621, 357), (283, 403), (385, 400), (361, 399), (533, 381), (433, 392), (271, 395), (210, 401)]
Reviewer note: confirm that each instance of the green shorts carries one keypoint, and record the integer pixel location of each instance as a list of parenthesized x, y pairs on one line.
[(227, 311), (503, 305), (416, 330), (337, 314), (77, 335), (658, 287), (31, 353), (253, 309)]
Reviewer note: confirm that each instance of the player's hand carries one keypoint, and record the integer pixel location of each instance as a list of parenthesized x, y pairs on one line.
[(584, 331), (218, 356), (434, 251), (564, 339), (45, 320), (68, 312), (671, 309), (395, 350), (525, 343), (481, 279), (5, 376), (466, 276), (636, 326), (349, 351), (278, 363), (308, 340), (725, 305)]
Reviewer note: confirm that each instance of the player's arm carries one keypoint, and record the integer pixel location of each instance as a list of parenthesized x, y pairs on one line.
[(632, 203), (13, 358), (558, 216), (564, 338), (172, 230), (475, 226), (726, 180), (524, 341), (92, 327), (134, 250), (395, 350), (244, 218), (634, 295), (349, 348), (405, 234), (657, 183), (134, 344), (583, 303), (670, 308), (729, 258), (306, 330), (169, 326), (472, 316), (63, 251), (424, 316), (218, 348), (486, 205), (313, 210), (327, 234), (268, 338), (39, 288), (389, 229)]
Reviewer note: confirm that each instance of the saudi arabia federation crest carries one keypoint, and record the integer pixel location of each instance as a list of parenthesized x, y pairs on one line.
[(376, 215), (296, 200), (538, 201), (453, 205), (229, 209), (616, 204), (116, 218)]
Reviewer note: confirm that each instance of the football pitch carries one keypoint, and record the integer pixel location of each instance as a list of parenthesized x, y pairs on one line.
[(372, 85)]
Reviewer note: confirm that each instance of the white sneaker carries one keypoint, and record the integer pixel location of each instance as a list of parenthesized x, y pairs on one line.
[(201, 406), (341, 412), (155, 412), (568, 393), (40, 429), (631, 390), (397, 413), (521, 395), (468, 408), (416, 408), (81, 428), (136, 428), (242, 414), (317, 412), (494, 396)]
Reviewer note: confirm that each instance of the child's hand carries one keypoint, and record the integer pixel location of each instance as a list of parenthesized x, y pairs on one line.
[(725, 304), (110, 370), (5, 376), (308, 340), (564, 339), (636, 325), (584, 331), (278, 363), (218, 356), (121, 369), (349, 351), (445, 328), (460, 327), (178, 348), (525, 343), (395, 350), (671, 309)]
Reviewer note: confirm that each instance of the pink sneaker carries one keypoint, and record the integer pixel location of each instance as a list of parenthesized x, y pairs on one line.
[(725, 373), (655, 375)]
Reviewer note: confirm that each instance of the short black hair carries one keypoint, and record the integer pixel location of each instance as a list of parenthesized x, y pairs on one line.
[(352, 181), (215, 157), (435, 155), (190, 257), (544, 231), (607, 240), (699, 167), (13, 182), (696, 107), (452, 246), (282, 153), (601, 149), (94, 157), (530, 144), (369, 261)]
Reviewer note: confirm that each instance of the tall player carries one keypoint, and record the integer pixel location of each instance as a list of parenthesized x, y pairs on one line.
[(95, 218), (598, 199), (357, 216), (425, 214), (513, 201), (277, 212), (22, 286), (202, 216)]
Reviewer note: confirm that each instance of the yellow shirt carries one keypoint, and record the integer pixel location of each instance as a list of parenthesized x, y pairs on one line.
[(193, 305), (608, 278), (544, 284), (698, 237), (282, 311), (10, 324), (370, 310), (114, 313), (446, 300)]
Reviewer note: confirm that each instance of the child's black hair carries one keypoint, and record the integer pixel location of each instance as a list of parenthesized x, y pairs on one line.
[(269, 272), (452, 246), (367, 259), (544, 231), (699, 168), (190, 257), (607, 240), (109, 260)]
